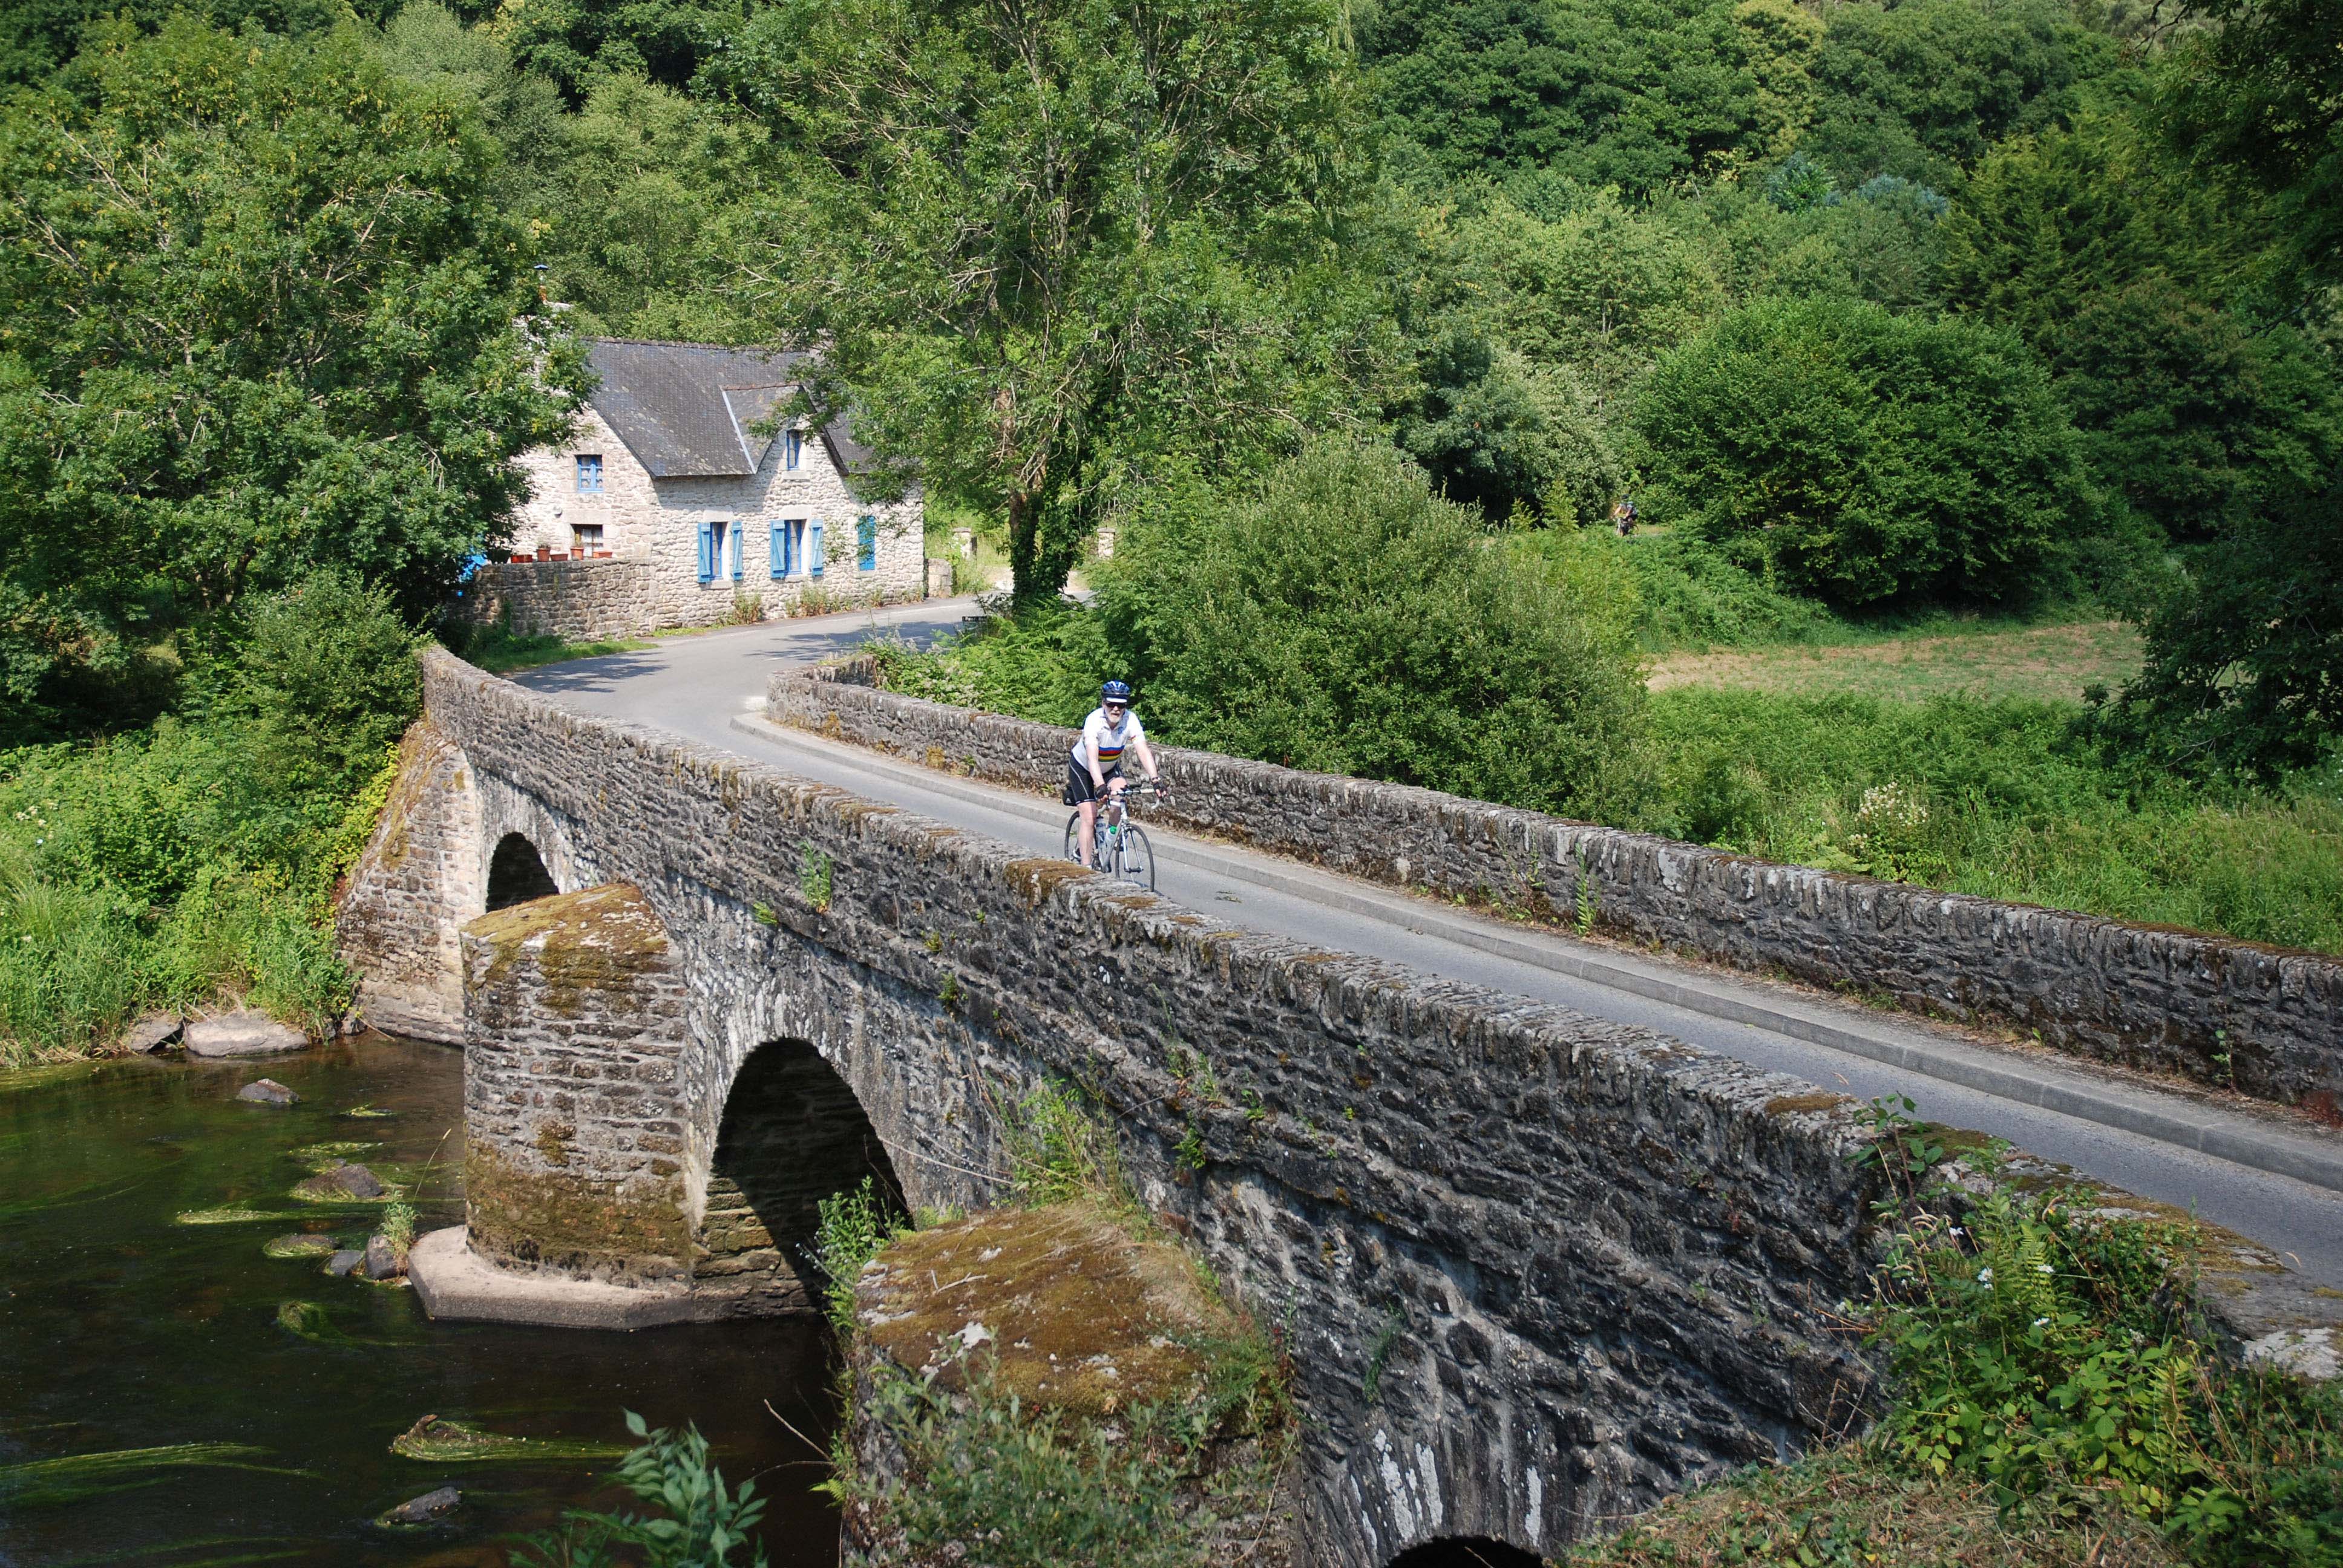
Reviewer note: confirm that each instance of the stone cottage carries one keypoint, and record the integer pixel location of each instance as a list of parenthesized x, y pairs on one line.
[(672, 504)]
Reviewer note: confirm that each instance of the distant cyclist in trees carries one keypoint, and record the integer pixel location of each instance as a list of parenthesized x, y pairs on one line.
[(1095, 769)]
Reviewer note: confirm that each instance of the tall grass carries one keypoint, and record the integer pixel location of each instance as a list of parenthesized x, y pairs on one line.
[(196, 858), (1999, 799)]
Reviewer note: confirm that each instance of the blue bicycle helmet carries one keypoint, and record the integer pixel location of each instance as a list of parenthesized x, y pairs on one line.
[(1115, 691)]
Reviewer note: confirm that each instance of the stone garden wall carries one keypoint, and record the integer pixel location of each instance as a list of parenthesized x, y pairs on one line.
[(1534, 1270), (2267, 1021), (582, 601)]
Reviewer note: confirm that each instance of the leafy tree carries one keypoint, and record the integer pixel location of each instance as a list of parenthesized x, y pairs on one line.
[(2193, 418), (1641, 94), (2050, 222), (2261, 92), (569, 43), (254, 319), (2244, 666), (1499, 433), (1922, 89), (1050, 253), (1343, 617), (1864, 455), (1597, 287), (2139, 279), (1803, 235)]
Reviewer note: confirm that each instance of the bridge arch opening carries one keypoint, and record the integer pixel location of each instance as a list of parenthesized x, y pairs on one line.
[(517, 873), (792, 1134), (1465, 1552)]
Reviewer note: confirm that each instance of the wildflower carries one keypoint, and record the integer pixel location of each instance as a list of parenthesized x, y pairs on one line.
[(1985, 1276), (2044, 1269), (2041, 1322)]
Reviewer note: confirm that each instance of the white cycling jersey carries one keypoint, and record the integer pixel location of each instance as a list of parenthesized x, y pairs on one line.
[(1106, 742)]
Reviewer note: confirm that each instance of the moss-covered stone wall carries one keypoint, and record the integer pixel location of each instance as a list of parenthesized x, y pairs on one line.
[(577, 1159)]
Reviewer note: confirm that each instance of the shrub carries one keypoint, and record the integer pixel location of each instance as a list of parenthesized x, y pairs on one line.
[(1343, 617), (1843, 451), (2245, 656)]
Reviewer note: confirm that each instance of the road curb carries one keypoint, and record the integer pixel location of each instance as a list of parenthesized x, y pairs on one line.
[(2228, 1138)]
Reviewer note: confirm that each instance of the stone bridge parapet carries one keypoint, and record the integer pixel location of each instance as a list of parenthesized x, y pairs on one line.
[(1534, 1270), (2265, 1020)]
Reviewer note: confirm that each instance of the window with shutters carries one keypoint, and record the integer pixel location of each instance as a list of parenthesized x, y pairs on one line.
[(590, 473), (865, 544), (793, 448)]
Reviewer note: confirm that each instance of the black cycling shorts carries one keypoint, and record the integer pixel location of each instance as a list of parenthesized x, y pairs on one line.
[(1078, 783)]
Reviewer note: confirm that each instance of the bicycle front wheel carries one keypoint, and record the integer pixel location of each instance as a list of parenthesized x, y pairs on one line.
[(1073, 836), (1134, 858)]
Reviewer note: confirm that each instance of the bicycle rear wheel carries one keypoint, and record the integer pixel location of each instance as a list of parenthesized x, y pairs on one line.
[(1134, 858)]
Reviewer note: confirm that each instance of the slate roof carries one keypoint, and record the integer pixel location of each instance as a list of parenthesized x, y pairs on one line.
[(686, 409)]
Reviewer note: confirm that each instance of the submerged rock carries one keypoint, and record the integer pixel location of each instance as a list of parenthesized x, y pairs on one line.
[(267, 1092), (428, 1509), (453, 1442), (300, 1244), (343, 1181), (151, 1032), (343, 1261), (242, 1033)]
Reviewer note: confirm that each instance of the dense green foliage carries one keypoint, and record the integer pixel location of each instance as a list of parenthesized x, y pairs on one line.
[(2050, 1349), (159, 866), (1861, 456), (254, 321)]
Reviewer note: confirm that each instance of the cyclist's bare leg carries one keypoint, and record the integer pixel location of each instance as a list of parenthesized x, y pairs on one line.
[(1089, 810)]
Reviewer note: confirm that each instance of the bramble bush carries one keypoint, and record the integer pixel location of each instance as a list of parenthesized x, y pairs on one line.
[(2049, 1350)]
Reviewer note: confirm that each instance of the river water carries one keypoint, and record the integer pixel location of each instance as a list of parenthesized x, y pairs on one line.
[(122, 1327)]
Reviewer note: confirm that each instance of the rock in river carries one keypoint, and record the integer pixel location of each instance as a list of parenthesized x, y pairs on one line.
[(242, 1033), (267, 1092), (300, 1244), (427, 1509), (381, 1261), (151, 1032), (342, 1182), (343, 1261)]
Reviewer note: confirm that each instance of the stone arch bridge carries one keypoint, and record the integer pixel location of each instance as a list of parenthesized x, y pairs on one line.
[(1534, 1270)]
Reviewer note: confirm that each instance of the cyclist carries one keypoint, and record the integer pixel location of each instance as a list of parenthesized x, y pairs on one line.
[(1095, 769)]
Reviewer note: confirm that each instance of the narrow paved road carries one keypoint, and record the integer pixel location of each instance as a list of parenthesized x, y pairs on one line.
[(711, 689)]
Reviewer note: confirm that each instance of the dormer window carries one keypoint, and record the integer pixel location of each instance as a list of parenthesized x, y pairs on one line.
[(793, 449), (590, 473)]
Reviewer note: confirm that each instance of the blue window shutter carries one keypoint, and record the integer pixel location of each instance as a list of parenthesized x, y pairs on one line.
[(865, 544), (781, 552), (707, 552), (814, 552), (739, 536)]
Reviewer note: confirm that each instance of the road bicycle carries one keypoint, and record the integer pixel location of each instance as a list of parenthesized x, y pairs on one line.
[(1120, 847)]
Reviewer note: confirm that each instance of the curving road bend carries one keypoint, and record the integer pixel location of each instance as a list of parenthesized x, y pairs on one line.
[(2280, 1184)]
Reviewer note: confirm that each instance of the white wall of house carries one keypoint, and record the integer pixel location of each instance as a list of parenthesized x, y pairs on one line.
[(658, 521)]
